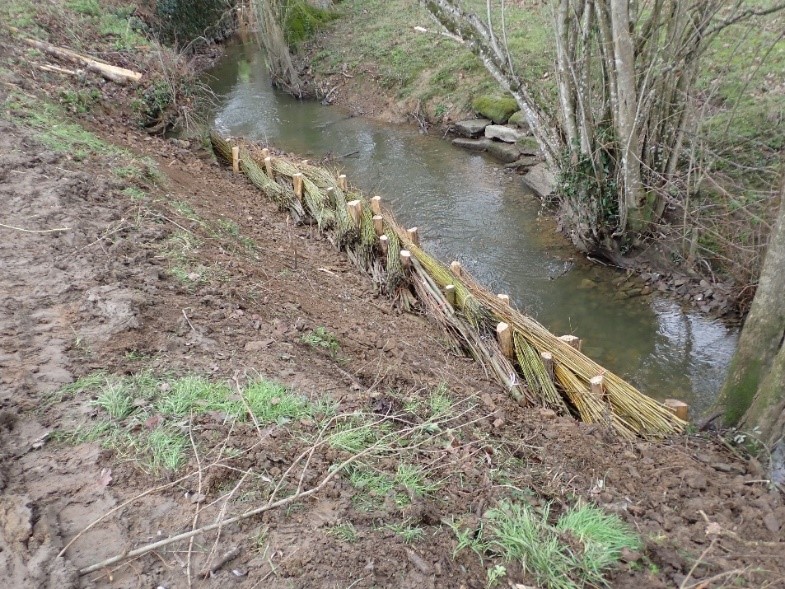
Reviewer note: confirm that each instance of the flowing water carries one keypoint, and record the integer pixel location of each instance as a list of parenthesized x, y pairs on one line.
[(467, 209)]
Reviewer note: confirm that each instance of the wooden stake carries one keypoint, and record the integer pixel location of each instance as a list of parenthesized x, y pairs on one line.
[(342, 183), (265, 153), (306, 162), (268, 166), (597, 386), (414, 236), (355, 209), (455, 268), (449, 294), (406, 259), (572, 341), (236, 159), (378, 224), (679, 408), (547, 361), (297, 184), (504, 299), (376, 205), (504, 335), (384, 242)]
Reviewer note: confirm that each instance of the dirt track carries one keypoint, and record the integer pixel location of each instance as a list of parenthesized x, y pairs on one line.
[(105, 293)]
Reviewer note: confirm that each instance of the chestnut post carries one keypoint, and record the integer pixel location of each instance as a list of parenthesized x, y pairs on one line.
[(342, 183), (376, 205), (504, 299), (455, 268), (297, 184), (355, 208), (572, 341), (265, 153), (679, 408), (384, 243), (449, 294), (268, 166), (406, 259), (547, 362), (236, 159), (413, 235), (378, 224), (504, 335), (597, 384)]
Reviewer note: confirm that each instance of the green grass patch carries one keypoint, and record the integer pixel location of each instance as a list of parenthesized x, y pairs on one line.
[(321, 337), (345, 532), (53, 129), (145, 417), (575, 551), (408, 533)]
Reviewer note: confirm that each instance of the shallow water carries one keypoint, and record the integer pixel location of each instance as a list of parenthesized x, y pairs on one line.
[(469, 210)]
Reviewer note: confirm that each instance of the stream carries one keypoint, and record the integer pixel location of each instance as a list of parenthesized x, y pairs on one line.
[(469, 209)]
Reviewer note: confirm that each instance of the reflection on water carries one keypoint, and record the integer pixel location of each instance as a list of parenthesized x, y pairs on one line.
[(469, 210)]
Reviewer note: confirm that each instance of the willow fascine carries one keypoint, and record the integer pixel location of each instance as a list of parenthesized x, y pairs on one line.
[(621, 406)]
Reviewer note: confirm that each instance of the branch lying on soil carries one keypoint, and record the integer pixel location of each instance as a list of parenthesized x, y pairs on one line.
[(111, 72)]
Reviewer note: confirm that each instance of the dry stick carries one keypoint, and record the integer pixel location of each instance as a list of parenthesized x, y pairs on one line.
[(198, 498), (35, 230)]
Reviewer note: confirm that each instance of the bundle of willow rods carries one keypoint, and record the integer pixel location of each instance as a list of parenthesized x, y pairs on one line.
[(627, 410), (536, 375), (590, 408), (485, 351), (634, 409)]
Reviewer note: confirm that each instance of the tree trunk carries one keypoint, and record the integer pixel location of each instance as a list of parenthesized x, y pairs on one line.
[(754, 392), (626, 125)]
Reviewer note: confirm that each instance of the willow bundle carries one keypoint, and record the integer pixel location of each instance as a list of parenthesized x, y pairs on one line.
[(644, 414), (484, 350), (343, 222), (591, 408), (536, 375), (395, 276), (221, 147)]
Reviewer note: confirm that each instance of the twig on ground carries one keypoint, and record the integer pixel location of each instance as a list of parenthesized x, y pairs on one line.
[(198, 498), (189, 322), (22, 229)]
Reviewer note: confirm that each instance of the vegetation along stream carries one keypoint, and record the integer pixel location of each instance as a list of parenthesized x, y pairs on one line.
[(468, 209)]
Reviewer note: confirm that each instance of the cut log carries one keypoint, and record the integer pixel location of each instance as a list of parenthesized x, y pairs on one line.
[(107, 70)]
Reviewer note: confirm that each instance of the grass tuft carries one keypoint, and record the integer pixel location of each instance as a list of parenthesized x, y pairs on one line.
[(584, 543)]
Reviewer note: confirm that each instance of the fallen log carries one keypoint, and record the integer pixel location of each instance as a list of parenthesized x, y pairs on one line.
[(107, 70)]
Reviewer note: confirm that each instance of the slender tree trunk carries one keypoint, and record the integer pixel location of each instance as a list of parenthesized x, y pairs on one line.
[(626, 125), (754, 391)]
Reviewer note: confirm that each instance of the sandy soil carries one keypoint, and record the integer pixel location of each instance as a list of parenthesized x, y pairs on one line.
[(102, 294)]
